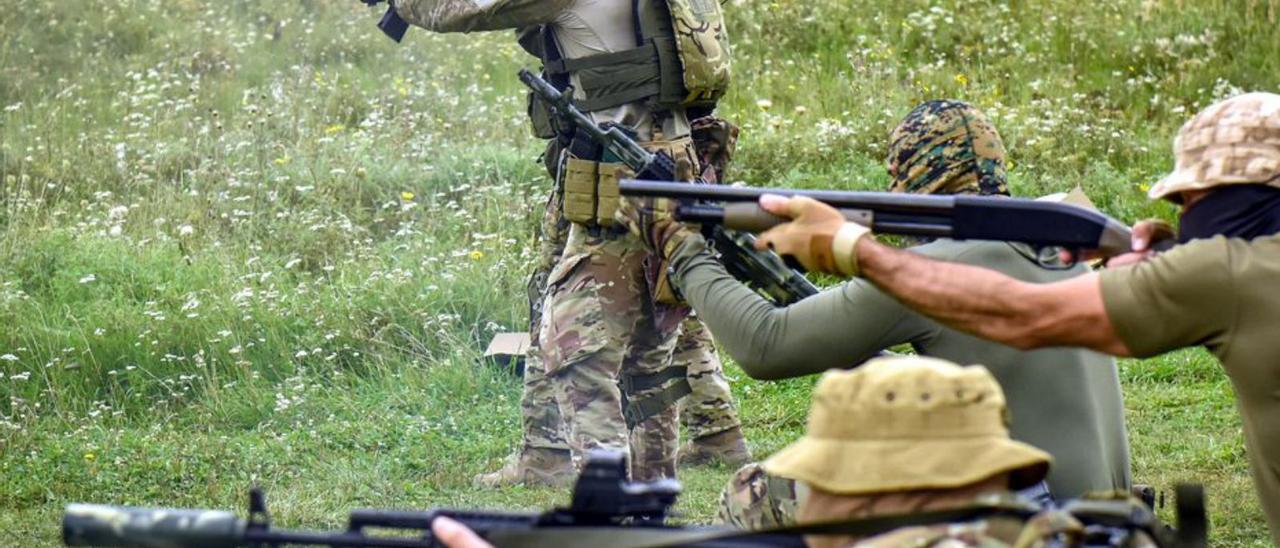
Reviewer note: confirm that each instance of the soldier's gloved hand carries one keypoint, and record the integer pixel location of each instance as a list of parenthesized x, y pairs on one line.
[(818, 236), (653, 220)]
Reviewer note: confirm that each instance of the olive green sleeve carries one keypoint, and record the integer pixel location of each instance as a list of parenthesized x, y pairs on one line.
[(476, 15), (839, 327), (1178, 299)]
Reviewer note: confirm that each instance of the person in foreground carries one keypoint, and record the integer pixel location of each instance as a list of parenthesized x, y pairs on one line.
[(900, 436), (1066, 400), (1215, 290)]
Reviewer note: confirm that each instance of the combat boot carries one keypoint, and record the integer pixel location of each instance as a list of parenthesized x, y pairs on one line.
[(728, 447), (534, 467)]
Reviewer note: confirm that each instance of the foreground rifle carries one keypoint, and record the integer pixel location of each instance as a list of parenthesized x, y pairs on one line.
[(606, 510), (763, 271), (1045, 226)]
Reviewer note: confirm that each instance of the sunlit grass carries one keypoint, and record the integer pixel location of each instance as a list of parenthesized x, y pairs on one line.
[(245, 242)]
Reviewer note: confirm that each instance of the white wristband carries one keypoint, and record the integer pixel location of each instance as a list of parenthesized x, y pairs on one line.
[(843, 248)]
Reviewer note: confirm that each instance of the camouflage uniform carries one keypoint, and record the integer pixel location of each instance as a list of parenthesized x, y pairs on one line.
[(600, 323), (709, 409), (755, 499), (708, 413)]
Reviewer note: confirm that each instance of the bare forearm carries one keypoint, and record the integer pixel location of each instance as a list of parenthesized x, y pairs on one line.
[(992, 305), (967, 298)]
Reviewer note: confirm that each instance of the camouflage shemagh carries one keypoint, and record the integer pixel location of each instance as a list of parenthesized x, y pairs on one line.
[(946, 147)]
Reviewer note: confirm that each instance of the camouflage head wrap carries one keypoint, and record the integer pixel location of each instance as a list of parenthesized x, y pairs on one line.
[(946, 147)]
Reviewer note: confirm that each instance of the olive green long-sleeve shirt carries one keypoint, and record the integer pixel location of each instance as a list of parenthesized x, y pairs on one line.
[(1066, 401)]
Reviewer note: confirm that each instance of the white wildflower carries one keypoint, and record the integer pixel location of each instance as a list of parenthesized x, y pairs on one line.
[(89, 278), (9, 358)]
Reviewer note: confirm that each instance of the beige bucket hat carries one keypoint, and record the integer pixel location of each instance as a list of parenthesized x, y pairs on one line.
[(1235, 141), (907, 423)]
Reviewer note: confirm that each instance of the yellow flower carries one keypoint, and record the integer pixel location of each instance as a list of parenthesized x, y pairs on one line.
[(282, 160), (89, 457), (962, 79), (406, 196), (1144, 187), (476, 255), (334, 129)]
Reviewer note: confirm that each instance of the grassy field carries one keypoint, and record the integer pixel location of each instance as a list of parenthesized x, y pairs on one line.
[(247, 242)]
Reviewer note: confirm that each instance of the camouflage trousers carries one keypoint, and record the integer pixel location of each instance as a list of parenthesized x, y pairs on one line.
[(708, 410), (755, 499), (599, 325)]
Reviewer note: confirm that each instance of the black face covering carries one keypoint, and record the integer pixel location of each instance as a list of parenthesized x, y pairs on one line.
[(1244, 211)]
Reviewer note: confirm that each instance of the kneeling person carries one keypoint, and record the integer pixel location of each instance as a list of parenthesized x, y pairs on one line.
[(906, 435), (1065, 400)]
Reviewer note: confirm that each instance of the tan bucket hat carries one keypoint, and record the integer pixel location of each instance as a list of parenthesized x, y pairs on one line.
[(1235, 141), (907, 423)]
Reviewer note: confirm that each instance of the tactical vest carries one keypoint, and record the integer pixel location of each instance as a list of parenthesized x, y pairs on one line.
[(682, 61)]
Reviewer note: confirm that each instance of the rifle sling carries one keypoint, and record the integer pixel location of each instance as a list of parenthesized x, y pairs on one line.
[(639, 409)]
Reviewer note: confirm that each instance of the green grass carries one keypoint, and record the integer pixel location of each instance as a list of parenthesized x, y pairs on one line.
[(258, 243)]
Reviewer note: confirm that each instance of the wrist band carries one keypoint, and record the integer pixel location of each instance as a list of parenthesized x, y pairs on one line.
[(843, 248), (820, 251)]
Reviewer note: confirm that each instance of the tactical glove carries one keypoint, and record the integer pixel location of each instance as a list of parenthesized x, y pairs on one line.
[(653, 221)]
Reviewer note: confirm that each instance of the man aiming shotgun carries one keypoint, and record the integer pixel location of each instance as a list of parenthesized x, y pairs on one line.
[(946, 163)]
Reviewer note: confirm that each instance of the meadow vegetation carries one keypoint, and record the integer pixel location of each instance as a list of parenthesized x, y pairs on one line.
[(249, 242)]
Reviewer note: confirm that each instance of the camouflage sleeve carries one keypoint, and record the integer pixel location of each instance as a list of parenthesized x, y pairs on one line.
[(478, 15), (840, 327)]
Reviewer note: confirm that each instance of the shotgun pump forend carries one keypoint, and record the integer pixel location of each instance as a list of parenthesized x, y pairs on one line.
[(763, 271), (1042, 225)]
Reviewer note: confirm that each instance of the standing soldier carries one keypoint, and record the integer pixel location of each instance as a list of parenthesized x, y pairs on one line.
[(608, 335)]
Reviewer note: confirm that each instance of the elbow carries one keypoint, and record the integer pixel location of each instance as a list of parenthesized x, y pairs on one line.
[(1030, 330), (758, 366), (1025, 341), (1024, 330)]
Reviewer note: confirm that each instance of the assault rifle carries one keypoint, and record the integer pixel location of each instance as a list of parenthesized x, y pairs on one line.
[(763, 271), (606, 510), (391, 23), (1045, 226)]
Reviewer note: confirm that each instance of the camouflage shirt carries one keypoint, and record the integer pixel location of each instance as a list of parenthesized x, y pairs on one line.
[(580, 28)]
